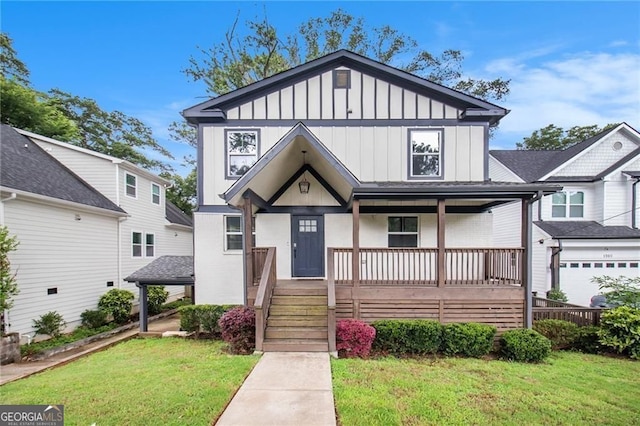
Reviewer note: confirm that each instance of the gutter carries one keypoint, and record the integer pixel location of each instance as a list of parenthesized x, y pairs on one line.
[(528, 317)]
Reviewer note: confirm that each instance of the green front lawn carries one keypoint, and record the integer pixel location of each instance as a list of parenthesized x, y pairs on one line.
[(139, 382), (570, 388)]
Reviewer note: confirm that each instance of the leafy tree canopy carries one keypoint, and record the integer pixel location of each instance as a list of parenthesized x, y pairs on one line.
[(10, 66), (183, 191), (241, 60), (554, 137)]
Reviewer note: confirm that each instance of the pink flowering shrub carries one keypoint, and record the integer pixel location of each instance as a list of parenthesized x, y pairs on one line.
[(354, 338), (238, 328)]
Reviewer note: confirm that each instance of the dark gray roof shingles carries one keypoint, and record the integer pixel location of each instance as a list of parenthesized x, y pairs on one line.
[(27, 167), (574, 229), (165, 269), (176, 216)]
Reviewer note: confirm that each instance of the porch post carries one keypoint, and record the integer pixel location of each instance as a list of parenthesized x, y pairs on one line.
[(441, 253), (355, 273), (247, 212), (526, 261)]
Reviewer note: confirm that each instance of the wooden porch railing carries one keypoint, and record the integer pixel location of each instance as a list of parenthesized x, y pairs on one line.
[(268, 278), (554, 309), (259, 255), (331, 302), (419, 266)]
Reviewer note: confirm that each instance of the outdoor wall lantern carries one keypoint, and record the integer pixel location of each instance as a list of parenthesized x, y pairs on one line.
[(304, 184)]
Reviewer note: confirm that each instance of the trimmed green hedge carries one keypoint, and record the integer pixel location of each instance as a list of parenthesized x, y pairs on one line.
[(468, 339), (401, 337), (202, 318), (524, 345)]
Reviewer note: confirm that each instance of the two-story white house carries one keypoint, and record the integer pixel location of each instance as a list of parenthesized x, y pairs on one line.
[(351, 185), (591, 227), (84, 221)]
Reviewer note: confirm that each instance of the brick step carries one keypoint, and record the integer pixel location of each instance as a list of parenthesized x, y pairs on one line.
[(298, 310), (295, 345), (296, 333), (299, 300), (296, 321), (288, 291)]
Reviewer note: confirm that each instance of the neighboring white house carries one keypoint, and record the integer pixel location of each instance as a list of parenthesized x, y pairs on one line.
[(591, 227), (345, 152), (84, 221)]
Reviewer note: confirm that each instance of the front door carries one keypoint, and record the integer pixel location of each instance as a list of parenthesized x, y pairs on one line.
[(307, 246)]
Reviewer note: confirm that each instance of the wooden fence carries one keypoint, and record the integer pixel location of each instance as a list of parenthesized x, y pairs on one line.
[(554, 309)]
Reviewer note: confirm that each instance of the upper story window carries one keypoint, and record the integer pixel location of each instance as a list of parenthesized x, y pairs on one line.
[(136, 244), (241, 151), (131, 185), (233, 232), (150, 245), (567, 204), (341, 79), (403, 231), (425, 154), (155, 194)]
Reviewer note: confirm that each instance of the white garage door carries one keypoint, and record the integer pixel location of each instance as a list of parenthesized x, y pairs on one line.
[(575, 276)]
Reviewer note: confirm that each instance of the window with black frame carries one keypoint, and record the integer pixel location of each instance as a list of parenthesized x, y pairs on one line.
[(403, 231)]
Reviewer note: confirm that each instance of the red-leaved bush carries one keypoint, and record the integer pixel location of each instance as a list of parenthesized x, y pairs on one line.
[(354, 338), (238, 328)]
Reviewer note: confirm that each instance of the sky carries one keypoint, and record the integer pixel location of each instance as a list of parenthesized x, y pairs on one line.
[(570, 63)]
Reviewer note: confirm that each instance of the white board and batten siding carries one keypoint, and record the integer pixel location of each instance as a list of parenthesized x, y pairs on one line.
[(77, 257), (368, 97)]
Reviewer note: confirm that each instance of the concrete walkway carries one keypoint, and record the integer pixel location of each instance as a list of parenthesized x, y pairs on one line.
[(19, 370), (284, 388)]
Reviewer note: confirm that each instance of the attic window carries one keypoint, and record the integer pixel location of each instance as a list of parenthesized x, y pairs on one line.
[(341, 79)]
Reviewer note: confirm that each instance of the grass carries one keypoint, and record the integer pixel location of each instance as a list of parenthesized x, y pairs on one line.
[(54, 342), (139, 382), (570, 388)]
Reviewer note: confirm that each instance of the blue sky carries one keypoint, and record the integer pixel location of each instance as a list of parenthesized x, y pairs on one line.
[(570, 63)]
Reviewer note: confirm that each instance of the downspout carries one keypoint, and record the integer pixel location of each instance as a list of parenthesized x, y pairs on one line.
[(634, 204), (555, 271), (119, 240), (528, 278), (13, 196)]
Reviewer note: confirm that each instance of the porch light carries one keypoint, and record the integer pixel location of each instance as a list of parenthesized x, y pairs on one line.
[(304, 184)]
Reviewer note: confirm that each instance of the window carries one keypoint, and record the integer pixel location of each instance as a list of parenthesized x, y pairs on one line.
[(136, 244), (597, 265), (563, 265), (131, 187), (308, 225), (403, 231), (611, 265), (633, 265), (425, 153), (574, 265), (622, 265), (233, 232), (341, 79), (568, 204), (155, 194), (242, 151), (586, 265), (149, 246)]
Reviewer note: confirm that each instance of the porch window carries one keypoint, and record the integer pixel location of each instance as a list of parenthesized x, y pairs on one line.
[(155, 194), (425, 153), (242, 151), (131, 187), (233, 232), (136, 244), (149, 246), (568, 204), (403, 231)]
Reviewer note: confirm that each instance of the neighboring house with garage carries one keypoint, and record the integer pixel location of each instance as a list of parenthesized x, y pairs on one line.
[(591, 227), (358, 191), (84, 221)]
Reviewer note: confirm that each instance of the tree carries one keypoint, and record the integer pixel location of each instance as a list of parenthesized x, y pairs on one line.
[(112, 133), (183, 191), (27, 109), (554, 137), (241, 60), (10, 66), (8, 284)]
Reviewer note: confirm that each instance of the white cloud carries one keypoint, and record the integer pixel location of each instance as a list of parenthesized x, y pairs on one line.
[(582, 89)]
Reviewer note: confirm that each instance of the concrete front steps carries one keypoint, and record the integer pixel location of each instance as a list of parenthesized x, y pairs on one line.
[(297, 320)]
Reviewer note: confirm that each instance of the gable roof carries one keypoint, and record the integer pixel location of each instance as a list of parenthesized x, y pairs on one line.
[(531, 165), (176, 216), (586, 230), (475, 108), (29, 168)]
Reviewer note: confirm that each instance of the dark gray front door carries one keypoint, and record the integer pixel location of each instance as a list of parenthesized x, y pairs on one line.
[(307, 246)]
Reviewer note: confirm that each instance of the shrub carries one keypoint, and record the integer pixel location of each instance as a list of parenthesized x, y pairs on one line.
[(93, 319), (50, 323), (561, 333), (524, 345), (238, 327), (621, 291), (202, 318), (557, 294), (468, 339), (176, 304), (156, 296), (118, 303), (588, 340), (8, 284), (354, 338), (620, 330), (407, 336)]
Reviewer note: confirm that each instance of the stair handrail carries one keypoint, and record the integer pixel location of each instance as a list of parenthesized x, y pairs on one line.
[(263, 297), (331, 302)]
